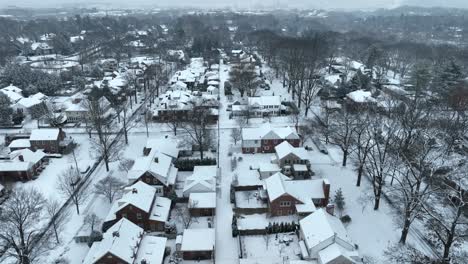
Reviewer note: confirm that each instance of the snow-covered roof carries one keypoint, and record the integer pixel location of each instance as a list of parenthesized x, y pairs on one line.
[(335, 252), (10, 165), (203, 177), (268, 167), (249, 178), (161, 209), (151, 250), (157, 164), (268, 132), (120, 240), (321, 228), (45, 134), (28, 155), (303, 190), (202, 200), (20, 143), (284, 149), (13, 95), (201, 239), (270, 100), (40, 45), (140, 195), (12, 88), (28, 102), (167, 146), (361, 96)]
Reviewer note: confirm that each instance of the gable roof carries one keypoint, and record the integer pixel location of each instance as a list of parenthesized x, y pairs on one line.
[(303, 190), (320, 226), (265, 100), (267, 132), (151, 249), (204, 176), (157, 164), (284, 149), (167, 146), (28, 155), (120, 240), (140, 195)]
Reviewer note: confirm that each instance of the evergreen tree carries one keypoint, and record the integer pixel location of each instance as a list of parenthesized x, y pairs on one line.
[(339, 201), (420, 79), (447, 77), (6, 112)]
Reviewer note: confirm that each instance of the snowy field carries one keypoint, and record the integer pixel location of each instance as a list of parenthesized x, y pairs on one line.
[(272, 249)]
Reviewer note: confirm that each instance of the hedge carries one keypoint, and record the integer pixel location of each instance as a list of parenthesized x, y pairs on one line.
[(188, 164)]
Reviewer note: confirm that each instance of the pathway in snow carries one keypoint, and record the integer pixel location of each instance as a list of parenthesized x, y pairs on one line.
[(226, 245)]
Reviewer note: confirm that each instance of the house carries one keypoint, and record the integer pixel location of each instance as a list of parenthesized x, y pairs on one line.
[(141, 205), (156, 169), (47, 139), (22, 165), (31, 105), (265, 139), (202, 204), (76, 110), (292, 160), (267, 169), (286, 196), (18, 144), (164, 145), (324, 239), (14, 93), (359, 99), (126, 243), (202, 180), (264, 106), (41, 48), (198, 244)]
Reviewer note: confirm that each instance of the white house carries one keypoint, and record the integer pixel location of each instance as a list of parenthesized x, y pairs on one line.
[(265, 105), (202, 180), (324, 239)]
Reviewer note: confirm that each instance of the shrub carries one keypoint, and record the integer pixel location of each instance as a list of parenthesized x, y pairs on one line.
[(188, 164), (345, 219)]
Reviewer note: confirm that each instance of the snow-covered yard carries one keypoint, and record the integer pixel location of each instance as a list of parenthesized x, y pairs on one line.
[(272, 249)]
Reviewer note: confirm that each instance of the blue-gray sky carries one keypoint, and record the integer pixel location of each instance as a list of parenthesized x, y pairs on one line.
[(325, 4)]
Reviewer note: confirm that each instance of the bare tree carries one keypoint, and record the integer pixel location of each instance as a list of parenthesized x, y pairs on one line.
[(380, 164), (363, 143), (58, 217), (105, 143), (20, 229), (244, 78), (68, 185), (197, 128), (125, 164), (174, 123), (236, 135), (342, 130), (110, 187), (414, 181), (310, 91), (447, 225), (92, 221), (182, 214)]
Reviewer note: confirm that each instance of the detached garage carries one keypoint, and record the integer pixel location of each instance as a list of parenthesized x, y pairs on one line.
[(198, 244)]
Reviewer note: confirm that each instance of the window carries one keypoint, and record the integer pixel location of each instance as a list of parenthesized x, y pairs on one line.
[(139, 217), (124, 215), (285, 203)]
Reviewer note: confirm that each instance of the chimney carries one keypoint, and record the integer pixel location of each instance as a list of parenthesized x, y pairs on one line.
[(115, 234), (134, 190), (156, 159), (326, 191), (330, 209), (21, 158)]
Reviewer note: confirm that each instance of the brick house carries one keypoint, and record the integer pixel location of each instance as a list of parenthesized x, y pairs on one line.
[(142, 206), (156, 169), (286, 197), (47, 139), (198, 244), (126, 243), (23, 165), (290, 158), (265, 139)]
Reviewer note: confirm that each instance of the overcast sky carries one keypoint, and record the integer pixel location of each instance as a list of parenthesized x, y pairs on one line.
[(326, 4)]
